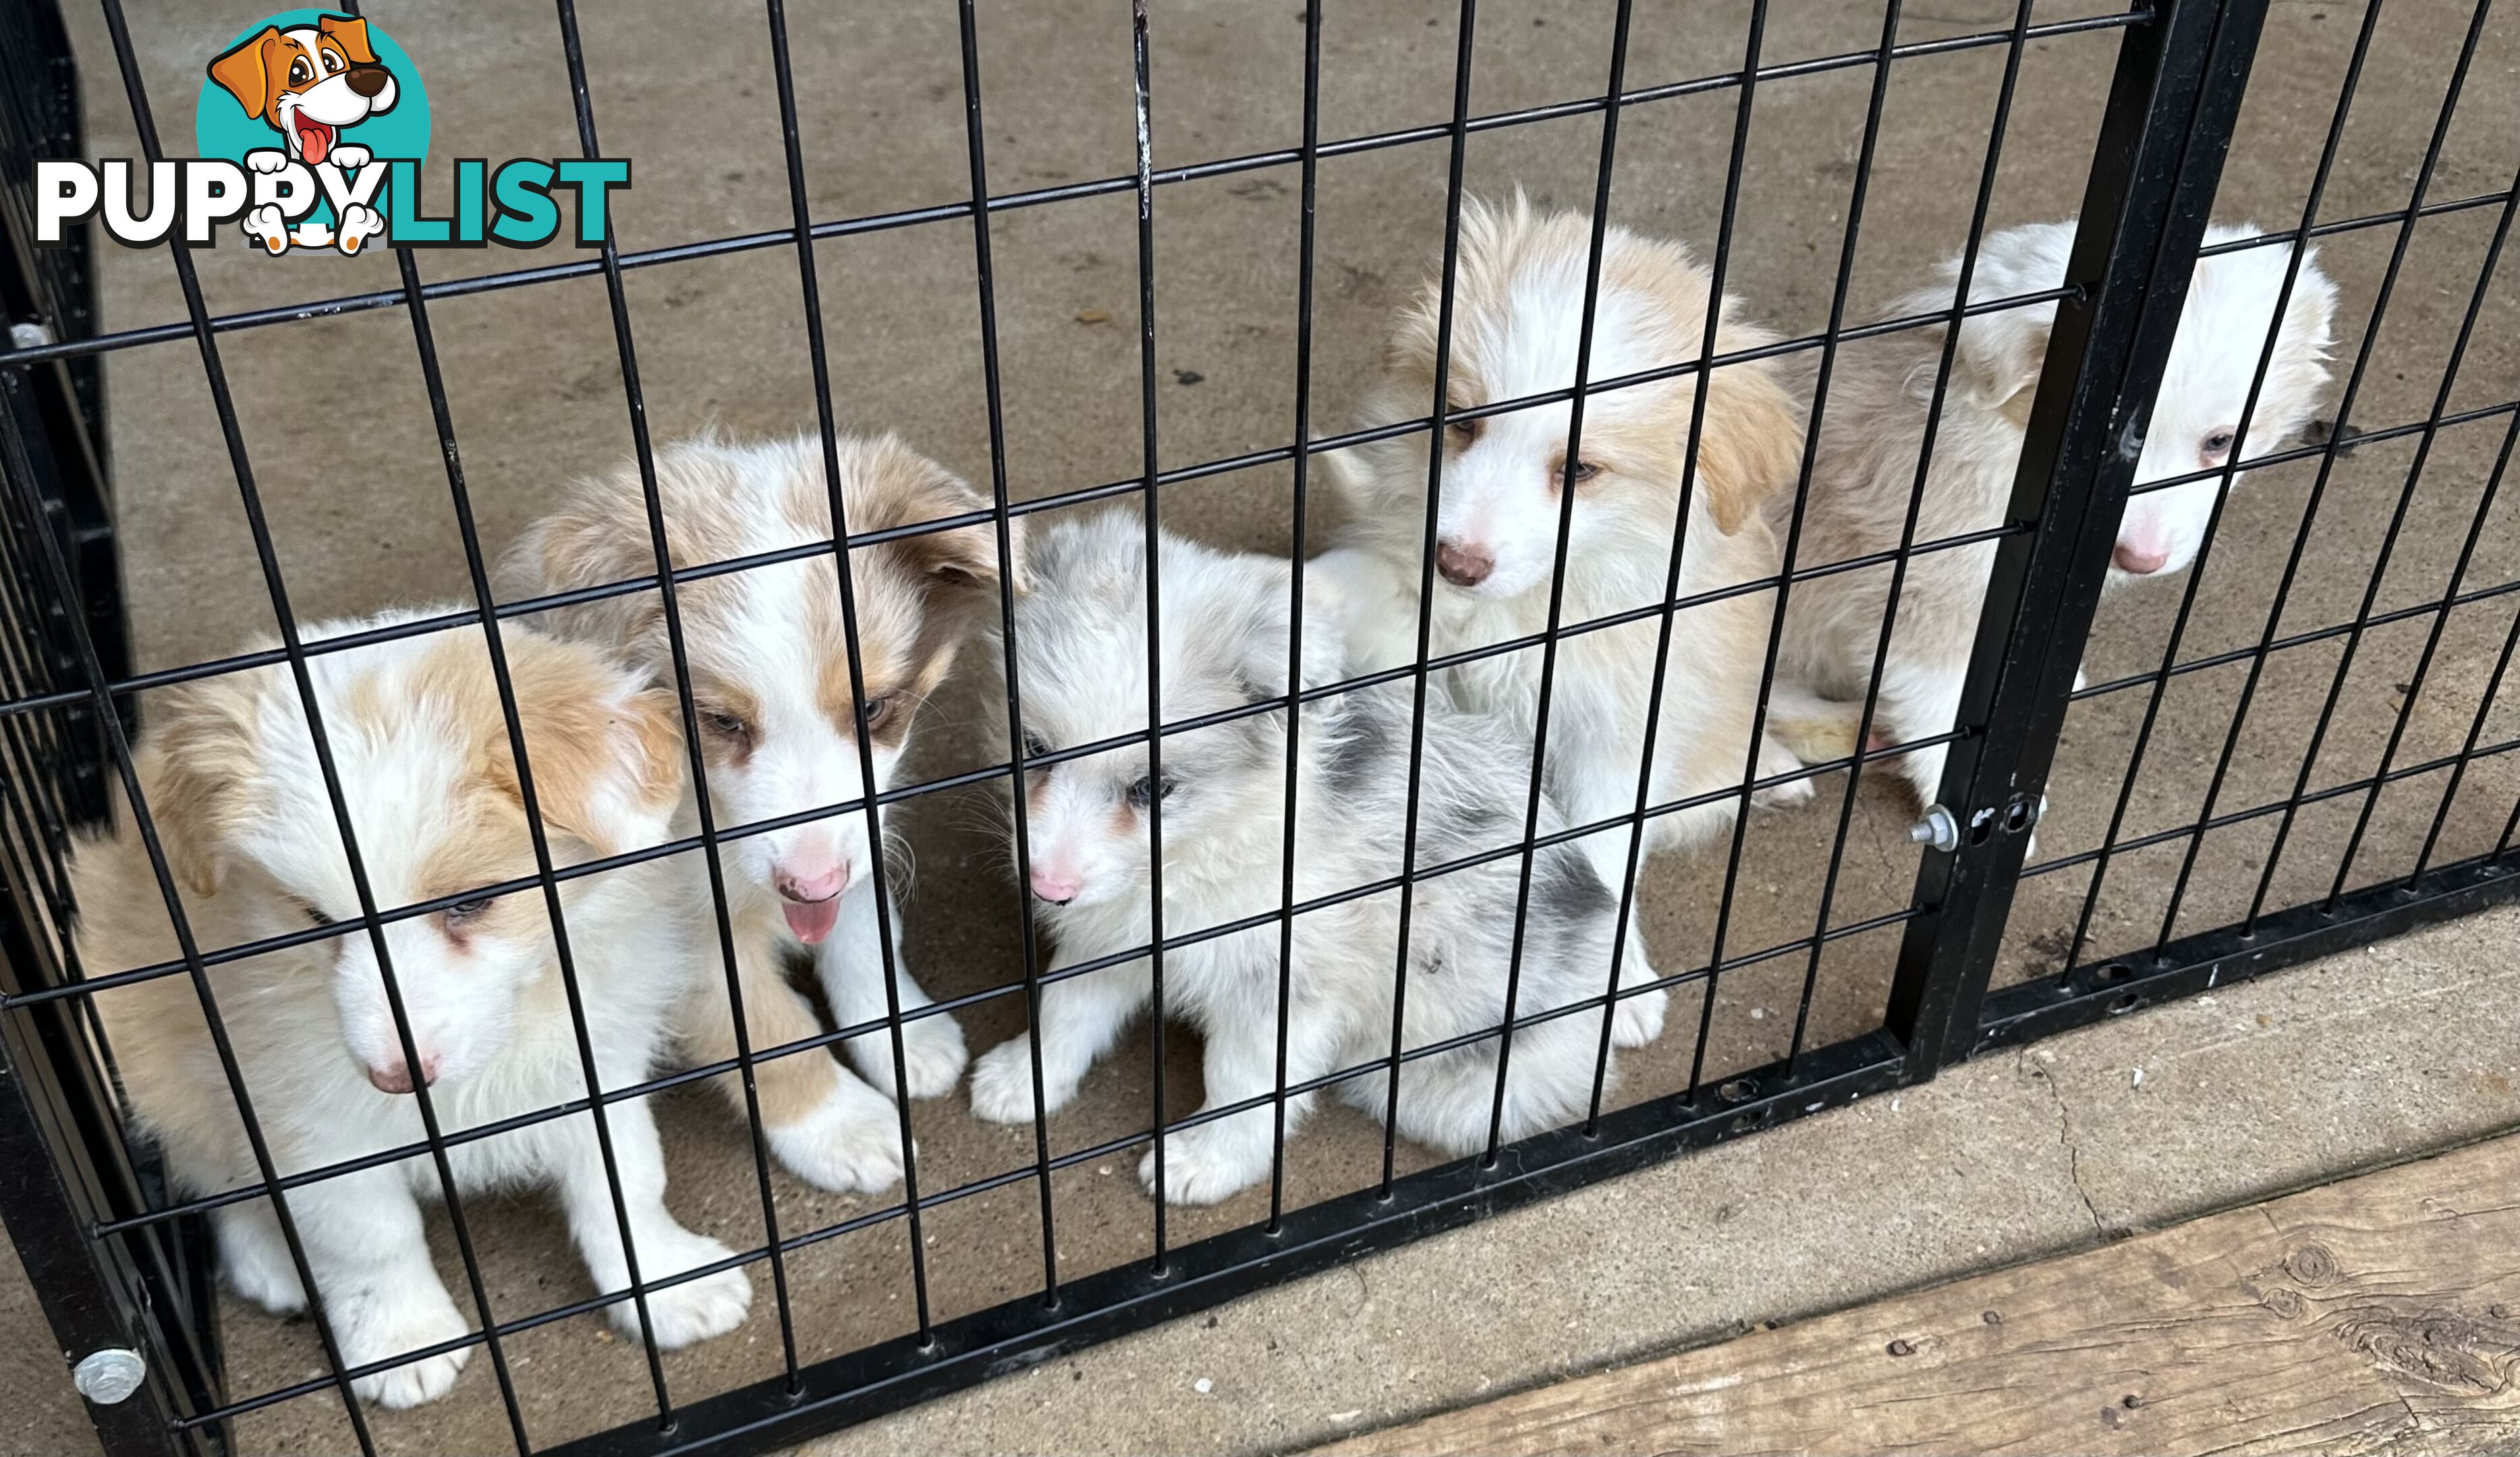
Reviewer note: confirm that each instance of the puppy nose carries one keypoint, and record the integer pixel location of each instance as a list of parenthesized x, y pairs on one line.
[(395, 1078), (1464, 566), (816, 887), (2143, 562), (1056, 888), (367, 80)]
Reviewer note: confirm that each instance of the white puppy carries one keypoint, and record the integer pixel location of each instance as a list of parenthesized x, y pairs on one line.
[(229, 771), (1081, 643), (1517, 314), (1873, 427), (770, 679)]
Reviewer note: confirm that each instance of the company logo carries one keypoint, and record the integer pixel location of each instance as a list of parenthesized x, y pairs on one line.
[(312, 129)]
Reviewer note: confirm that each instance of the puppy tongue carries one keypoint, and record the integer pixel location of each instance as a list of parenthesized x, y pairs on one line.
[(812, 920), (315, 140)]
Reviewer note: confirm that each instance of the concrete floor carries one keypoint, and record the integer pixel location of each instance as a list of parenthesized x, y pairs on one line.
[(362, 520)]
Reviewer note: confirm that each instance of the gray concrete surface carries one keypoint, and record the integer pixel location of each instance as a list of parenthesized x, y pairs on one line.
[(339, 429)]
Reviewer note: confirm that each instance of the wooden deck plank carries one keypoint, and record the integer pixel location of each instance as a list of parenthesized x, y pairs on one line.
[(2380, 1313)]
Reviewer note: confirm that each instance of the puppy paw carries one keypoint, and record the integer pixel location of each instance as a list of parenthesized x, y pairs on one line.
[(358, 224), (1784, 796), (266, 159), (268, 226), (850, 1144), (271, 1284), (1002, 1085), (1202, 1169), (1638, 1019), (931, 1051), (348, 156), (387, 1324), (696, 1309)]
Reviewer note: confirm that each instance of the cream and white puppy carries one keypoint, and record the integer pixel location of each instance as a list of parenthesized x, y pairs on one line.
[(1865, 472), (228, 771), (1518, 302), (1081, 640), (770, 677)]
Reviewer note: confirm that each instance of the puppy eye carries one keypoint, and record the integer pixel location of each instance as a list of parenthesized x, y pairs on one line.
[(299, 74), (1463, 430), (1584, 470), (877, 709), (729, 725), (468, 911), (2218, 443), (1034, 745), (317, 918), (1147, 792), (331, 62)]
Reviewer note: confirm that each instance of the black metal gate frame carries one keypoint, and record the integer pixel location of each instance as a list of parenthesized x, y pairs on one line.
[(121, 1264)]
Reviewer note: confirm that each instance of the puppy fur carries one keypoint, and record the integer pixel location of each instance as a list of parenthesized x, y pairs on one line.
[(1081, 643), (1873, 429), (1517, 312), (229, 773), (770, 679)]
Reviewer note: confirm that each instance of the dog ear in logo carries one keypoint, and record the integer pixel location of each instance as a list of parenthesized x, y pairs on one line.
[(309, 84)]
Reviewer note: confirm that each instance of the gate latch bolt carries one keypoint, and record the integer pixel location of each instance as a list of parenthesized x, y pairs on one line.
[(1937, 830)]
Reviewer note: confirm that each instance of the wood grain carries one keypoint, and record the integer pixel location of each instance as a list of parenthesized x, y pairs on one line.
[(2377, 1314)]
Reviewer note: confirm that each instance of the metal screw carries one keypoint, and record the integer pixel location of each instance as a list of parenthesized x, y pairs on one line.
[(1937, 829), (28, 335), (109, 1376)]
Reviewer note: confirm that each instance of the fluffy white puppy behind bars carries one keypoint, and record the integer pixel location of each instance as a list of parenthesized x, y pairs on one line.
[(1872, 430), (1517, 316), (1082, 648), (767, 650), (229, 773)]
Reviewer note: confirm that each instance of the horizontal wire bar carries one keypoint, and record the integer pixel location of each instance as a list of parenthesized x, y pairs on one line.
[(352, 303), (2355, 441)]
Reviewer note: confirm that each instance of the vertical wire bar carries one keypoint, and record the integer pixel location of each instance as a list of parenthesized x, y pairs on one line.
[(1466, 37), (1535, 793), (1155, 588), (285, 618), (1295, 588), (985, 278), (2503, 846), (2371, 592), (2318, 486), (817, 348), (634, 399), (494, 642), (181, 924), (2484, 702), (1952, 328), (2457, 578), (2345, 95), (1723, 257)]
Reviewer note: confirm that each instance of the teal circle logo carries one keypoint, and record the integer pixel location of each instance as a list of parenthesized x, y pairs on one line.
[(316, 88)]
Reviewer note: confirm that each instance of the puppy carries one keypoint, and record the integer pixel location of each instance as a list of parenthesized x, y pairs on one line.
[(770, 679), (1873, 427), (228, 771), (1518, 302), (309, 84), (1081, 642)]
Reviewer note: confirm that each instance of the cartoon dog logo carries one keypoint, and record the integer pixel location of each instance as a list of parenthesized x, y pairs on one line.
[(309, 84)]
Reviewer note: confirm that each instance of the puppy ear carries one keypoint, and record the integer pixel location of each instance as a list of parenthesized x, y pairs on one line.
[(1751, 443), (896, 486), (195, 763), (244, 71), (598, 535), (607, 755), (2000, 358), (351, 33)]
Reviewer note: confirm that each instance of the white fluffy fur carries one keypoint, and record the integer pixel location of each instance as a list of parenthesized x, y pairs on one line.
[(1872, 430), (1517, 314), (1081, 644), (231, 777)]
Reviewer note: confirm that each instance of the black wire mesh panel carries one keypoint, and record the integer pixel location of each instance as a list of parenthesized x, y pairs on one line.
[(1802, 966)]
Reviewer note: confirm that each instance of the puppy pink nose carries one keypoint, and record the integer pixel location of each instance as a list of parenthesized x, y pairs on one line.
[(395, 1078), (1464, 566), (2143, 562), (1055, 886), (820, 884)]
